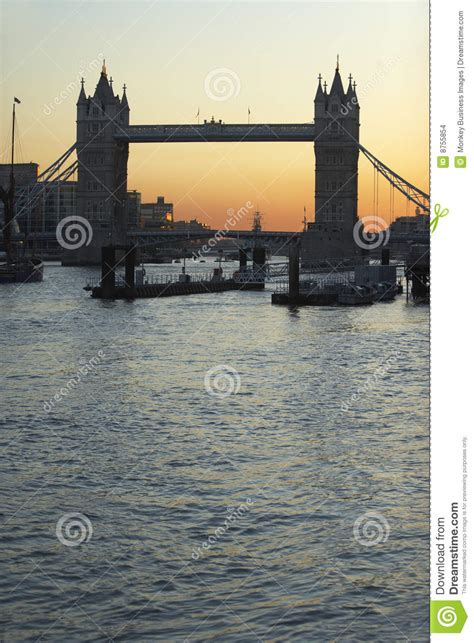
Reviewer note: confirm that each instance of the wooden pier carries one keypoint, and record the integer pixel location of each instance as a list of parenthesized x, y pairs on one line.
[(109, 287), (175, 288), (362, 285)]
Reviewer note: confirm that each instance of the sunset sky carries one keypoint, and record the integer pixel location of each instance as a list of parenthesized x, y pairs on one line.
[(165, 51)]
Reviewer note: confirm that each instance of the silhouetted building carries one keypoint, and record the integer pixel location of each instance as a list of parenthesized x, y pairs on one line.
[(156, 215), (407, 230), (134, 203), (39, 207), (56, 201), (193, 225), (411, 225)]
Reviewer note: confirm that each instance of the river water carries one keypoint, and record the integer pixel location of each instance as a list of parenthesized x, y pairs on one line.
[(212, 467)]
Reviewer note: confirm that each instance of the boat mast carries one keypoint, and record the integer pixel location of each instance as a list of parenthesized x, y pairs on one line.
[(11, 190), (8, 196), (13, 141)]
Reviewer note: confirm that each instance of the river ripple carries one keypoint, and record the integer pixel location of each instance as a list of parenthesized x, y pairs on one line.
[(312, 440)]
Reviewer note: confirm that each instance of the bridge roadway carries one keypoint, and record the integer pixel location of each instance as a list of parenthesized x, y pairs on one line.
[(175, 236), (142, 239), (216, 131)]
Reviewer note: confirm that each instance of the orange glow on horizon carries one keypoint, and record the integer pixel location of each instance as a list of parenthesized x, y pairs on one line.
[(384, 45)]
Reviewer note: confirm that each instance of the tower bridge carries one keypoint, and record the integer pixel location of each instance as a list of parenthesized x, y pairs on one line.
[(104, 134)]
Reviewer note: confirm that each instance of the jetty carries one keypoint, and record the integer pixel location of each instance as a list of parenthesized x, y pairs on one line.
[(133, 284), (356, 285)]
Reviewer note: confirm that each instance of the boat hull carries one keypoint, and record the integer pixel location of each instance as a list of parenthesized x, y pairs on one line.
[(27, 272)]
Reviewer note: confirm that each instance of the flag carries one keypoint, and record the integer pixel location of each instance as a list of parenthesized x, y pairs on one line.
[(16, 100), (249, 110), (197, 112)]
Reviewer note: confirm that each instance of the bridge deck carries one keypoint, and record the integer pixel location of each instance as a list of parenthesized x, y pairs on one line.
[(143, 239), (216, 132)]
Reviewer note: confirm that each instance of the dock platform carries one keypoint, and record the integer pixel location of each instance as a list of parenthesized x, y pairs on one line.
[(133, 285), (305, 299), (176, 288)]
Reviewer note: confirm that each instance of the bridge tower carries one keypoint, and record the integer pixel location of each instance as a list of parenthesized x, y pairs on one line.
[(102, 171), (336, 115)]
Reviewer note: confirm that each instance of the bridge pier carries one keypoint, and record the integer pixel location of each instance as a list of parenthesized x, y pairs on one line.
[(130, 261), (294, 272), (259, 256), (109, 263), (107, 282)]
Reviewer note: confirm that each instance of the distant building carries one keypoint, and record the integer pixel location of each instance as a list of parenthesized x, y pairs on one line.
[(156, 215), (411, 225), (134, 203), (192, 226), (56, 202), (408, 230), (39, 207)]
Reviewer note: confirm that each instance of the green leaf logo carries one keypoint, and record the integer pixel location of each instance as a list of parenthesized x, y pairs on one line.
[(447, 617)]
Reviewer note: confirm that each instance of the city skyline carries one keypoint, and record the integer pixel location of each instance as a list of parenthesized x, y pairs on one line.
[(204, 181)]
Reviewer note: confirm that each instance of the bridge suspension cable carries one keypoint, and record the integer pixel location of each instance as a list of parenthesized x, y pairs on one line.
[(50, 171), (56, 172), (414, 194)]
